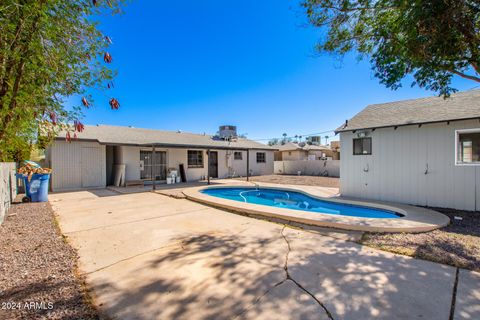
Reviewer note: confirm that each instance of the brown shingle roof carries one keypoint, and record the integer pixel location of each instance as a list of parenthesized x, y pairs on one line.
[(106, 134), (462, 105)]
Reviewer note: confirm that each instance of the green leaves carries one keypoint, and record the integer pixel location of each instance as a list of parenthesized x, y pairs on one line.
[(49, 50), (432, 40)]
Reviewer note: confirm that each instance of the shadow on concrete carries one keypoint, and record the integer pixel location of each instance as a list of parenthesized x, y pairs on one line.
[(217, 276)]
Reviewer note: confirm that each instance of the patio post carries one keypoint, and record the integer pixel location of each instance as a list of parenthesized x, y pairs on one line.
[(151, 167), (208, 166), (248, 164)]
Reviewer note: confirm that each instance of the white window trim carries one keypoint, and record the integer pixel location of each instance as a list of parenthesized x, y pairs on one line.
[(457, 133)]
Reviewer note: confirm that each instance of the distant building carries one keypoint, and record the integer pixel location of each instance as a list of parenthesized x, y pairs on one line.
[(305, 151)]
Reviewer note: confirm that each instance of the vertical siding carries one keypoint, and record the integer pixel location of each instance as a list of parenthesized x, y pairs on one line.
[(66, 162), (398, 163)]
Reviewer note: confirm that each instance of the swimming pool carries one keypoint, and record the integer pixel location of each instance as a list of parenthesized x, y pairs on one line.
[(297, 201)]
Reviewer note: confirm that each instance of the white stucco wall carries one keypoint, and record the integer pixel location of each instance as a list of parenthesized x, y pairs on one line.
[(258, 169), (294, 155), (69, 172), (131, 157), (396, 169)]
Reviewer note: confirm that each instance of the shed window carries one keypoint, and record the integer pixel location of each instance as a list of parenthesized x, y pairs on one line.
[(260, 157), (468, 147), (195, 159), (237, 155), (362, 146)]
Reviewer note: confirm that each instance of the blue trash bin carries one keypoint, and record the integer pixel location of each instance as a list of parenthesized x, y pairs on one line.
[(37, 188)]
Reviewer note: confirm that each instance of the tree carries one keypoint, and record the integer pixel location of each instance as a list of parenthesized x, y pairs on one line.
[(432, 40), (274, 142), (49, 50), (285, 139)]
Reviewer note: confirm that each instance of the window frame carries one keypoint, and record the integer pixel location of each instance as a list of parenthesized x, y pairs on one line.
[(195, 166), (457, 140), (264, 157), (235, 153), (362, 154)]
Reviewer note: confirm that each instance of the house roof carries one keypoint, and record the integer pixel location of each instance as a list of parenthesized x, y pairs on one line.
[(459, 106), (315, 147), (290, 146), (117, 135)]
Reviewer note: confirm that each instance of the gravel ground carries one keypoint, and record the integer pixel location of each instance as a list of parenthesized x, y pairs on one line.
[(297, 180), (38, 268), (457, 244)]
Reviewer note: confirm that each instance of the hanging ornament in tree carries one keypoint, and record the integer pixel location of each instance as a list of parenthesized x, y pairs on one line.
[(78, 126), (114, 104), (85, 102), (53, 117), (107, 57)]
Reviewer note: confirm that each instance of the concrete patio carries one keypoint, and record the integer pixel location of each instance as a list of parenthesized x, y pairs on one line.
[(150, 256)]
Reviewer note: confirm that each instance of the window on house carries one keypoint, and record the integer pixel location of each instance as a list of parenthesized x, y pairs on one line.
[(289, 153), (468, 147), (362, 146), (195, 159), (261, 157), (237, 155)]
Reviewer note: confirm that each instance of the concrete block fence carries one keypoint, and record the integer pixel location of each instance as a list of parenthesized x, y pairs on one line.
[(330, 168), (8, 187)]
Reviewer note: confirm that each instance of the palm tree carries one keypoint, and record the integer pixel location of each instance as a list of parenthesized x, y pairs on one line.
[(326, 140), (284, 138)]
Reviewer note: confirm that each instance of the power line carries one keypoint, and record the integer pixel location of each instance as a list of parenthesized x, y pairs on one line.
[(292, 137)]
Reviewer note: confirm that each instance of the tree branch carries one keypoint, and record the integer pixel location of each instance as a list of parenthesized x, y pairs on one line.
[(466, 76)]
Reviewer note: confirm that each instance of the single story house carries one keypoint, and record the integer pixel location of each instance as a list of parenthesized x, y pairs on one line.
[(423, 152), (88, 161), (304, 151)]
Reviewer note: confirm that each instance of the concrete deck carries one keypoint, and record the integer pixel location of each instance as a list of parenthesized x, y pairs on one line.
[(414, 219), (149, 256)]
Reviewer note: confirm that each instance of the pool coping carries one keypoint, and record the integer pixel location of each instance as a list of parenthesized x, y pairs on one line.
[(415, 219)]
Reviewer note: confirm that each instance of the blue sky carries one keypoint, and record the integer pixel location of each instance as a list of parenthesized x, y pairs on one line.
[(194, 65)]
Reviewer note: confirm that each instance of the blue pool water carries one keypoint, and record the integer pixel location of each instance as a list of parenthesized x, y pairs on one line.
[(297, 201)]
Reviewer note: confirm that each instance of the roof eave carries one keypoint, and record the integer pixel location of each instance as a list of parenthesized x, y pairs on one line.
[(171, 145), (404, 124)]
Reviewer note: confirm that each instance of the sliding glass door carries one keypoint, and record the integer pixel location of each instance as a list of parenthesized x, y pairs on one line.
[(156, 164)]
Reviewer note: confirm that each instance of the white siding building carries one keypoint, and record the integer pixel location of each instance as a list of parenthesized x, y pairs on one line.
[(423, 152), (88, 161)]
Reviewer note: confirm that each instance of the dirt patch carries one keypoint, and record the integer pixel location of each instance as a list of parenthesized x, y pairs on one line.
[(38, 268), (457, 244), (328, 182)]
